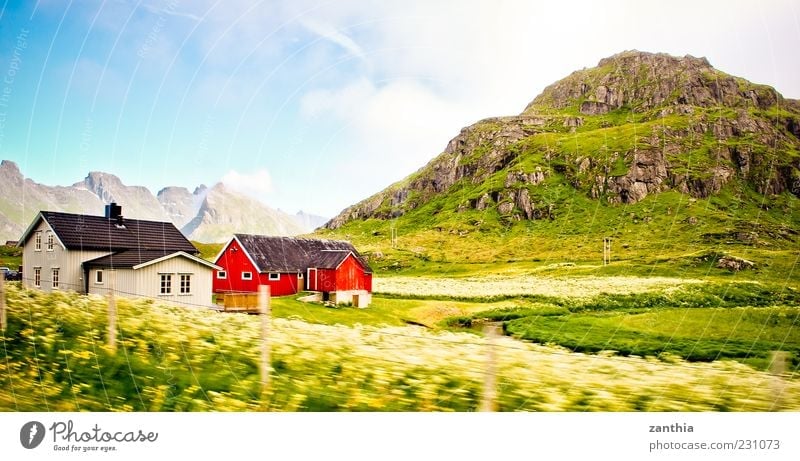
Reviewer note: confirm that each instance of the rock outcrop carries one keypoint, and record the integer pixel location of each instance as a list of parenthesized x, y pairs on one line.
[(638, 124)]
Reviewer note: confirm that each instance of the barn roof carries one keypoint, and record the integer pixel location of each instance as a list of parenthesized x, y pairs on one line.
[(290, 254), (85, 232)]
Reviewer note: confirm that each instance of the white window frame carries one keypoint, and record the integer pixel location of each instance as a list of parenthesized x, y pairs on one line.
[(51, 241), (37, 241), (37, 277), (55, 277), (98, 277), (161, 286), (188, 284), (222, 275), (274, 276), (248, 277)]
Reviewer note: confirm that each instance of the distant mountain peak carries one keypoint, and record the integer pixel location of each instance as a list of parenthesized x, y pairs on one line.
[(172, 190), (206, 214), (224, 211), (10, 166), (309, 222)]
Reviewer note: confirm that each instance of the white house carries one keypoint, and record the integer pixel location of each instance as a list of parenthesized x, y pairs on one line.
[(149, 259)]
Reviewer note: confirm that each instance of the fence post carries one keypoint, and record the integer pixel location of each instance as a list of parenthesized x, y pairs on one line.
[(2, 302), (266, 317), (489, 399), (112, 311), (778, 368)]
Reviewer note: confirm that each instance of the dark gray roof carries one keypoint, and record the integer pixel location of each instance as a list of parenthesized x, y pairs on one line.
[(84, 232), (132, 258), (290, 254), (128, 258)]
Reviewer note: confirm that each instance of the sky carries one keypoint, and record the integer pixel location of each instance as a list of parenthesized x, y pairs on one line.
[(315, 105)]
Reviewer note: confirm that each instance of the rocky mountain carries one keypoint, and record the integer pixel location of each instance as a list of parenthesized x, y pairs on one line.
[(21, 199), (206, 215), (180, 205), (309, 222), (636, 126), (224, 212), (138, 202)]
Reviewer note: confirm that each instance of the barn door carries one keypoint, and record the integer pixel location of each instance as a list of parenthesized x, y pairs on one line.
[(311, 280)]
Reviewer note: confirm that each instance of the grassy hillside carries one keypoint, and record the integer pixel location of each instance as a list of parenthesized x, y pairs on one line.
[(208, 251), (676, 162), (667, 234), (173, 359), (10, 257)]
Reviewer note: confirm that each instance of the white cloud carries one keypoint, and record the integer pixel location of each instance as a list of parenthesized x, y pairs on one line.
[(257, 184), (399, 125), (330, 33)]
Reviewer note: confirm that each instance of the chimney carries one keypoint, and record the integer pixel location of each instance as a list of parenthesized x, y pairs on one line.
[(113, 211)]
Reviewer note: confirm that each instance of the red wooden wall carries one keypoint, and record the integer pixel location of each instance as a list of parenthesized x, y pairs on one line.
[(234, 262), (349, 276)]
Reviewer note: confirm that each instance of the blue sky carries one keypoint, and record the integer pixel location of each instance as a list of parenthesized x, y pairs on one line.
[(315, 105)]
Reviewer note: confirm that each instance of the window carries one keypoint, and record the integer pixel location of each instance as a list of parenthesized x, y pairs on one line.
[(37, 241), (98, 277), (37, 276), (300, 275), (186, 284), (50, 241), (222, 275), (247, 276), (166, 284), (274, 276), (55, 277)]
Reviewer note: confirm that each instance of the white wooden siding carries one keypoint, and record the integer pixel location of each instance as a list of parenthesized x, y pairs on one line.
[(68, 261), (146, 282)]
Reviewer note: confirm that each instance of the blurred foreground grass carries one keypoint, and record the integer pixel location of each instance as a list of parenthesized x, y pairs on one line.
[(173, 359)]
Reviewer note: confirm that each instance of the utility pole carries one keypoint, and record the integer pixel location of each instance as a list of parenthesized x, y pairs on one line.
[(266, 317), (778, 369), (489, 398), (112, 312), (2, 302)]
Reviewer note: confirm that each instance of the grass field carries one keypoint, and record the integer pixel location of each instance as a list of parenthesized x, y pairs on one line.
[(747, 334), (382, 312), (512, 285), (175, 359)]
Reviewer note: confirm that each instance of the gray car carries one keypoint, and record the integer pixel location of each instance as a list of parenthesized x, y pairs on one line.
[(9, 273)]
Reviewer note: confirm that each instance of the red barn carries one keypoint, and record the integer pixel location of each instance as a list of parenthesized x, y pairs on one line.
[(289, 265)]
